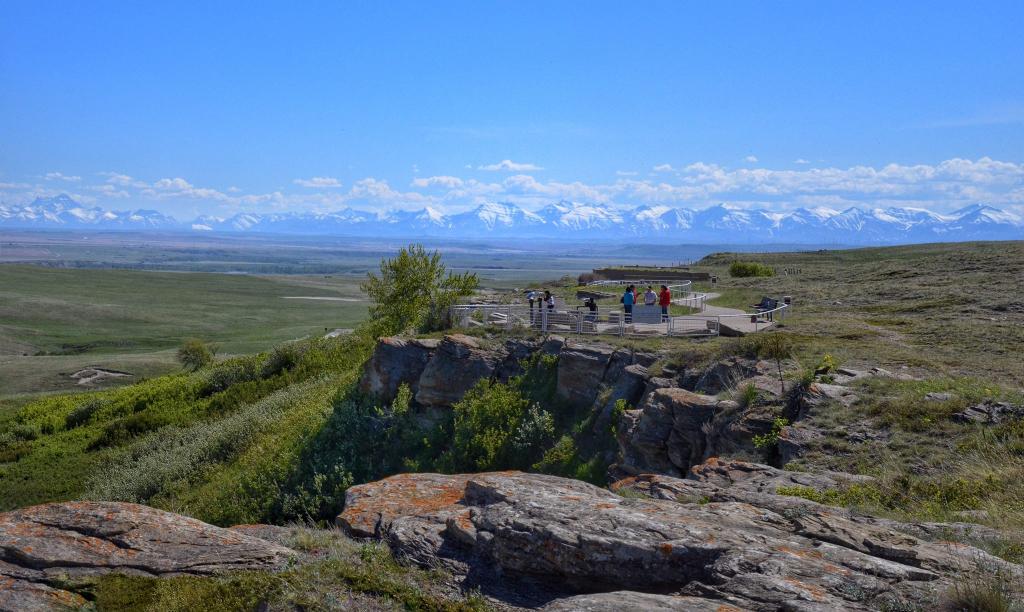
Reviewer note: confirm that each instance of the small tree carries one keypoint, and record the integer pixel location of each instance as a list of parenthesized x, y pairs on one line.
[(414, 291), (195, 354), (775, 347)]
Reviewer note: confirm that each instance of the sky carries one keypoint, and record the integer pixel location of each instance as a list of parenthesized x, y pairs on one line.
[(224, 107)]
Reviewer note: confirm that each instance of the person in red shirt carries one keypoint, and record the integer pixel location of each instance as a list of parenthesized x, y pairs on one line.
[(664, 300)]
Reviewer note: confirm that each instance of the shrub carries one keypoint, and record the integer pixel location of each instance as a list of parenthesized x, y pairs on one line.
[(827, 365), (744, 269), (124, 429), (770, 440), (413, 292), (283, 357), (748, 396), (195, 354), (485, 421), (82, 414), (25, 432)]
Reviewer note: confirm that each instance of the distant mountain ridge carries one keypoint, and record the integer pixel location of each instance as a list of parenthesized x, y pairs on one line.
[(562, 220)]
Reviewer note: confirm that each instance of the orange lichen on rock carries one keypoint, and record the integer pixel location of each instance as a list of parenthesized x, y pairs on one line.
[(814, 591), (803, 553), (400, 495)]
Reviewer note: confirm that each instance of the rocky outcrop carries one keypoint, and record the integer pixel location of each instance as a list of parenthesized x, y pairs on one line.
[(395, 361), (665, 434), (45, 550), (458, 363), (440, 372), (581, 369), (989, 412), (752, 555), (728, 373)]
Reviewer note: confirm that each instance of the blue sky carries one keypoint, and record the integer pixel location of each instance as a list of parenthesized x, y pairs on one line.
[(218, 107)]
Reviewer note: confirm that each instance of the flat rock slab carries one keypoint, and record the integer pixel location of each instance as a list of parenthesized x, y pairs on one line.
[(587, 540), (43, 548)]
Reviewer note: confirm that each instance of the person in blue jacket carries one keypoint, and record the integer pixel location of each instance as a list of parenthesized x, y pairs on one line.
[(628, 298)]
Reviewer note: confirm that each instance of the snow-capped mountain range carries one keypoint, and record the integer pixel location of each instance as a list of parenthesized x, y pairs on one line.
[(563, 221)]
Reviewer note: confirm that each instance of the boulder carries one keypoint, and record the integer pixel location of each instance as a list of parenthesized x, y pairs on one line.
[(589, 540), (989, 412), (45, 550), (395, 361), (727, 374), (627, 601), (666, 435), (737, 475), (795, 441), (552, 345), (457, 364), (581, 369)]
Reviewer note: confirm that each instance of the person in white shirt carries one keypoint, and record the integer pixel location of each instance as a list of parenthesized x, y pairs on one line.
[(650, 297)]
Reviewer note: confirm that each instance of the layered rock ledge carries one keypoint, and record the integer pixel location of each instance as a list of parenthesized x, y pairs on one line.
[(719, 537), (45, 549)]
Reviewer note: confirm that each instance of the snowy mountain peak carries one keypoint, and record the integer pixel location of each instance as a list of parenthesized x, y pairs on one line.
[(564, 220)]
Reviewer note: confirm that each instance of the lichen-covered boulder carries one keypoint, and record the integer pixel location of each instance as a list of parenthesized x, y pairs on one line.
[(590, 540), (46, 548)]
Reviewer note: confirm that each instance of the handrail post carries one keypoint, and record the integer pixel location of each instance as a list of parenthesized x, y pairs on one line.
[(544, 320)]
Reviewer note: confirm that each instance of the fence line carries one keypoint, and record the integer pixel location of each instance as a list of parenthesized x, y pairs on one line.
[(582, 321)]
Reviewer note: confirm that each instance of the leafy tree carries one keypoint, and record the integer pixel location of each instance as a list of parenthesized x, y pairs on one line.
[(414, 291), (195, 354)]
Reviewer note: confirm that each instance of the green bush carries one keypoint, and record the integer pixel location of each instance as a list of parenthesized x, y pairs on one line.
[(82, 413), (195, 354), (414, 292), (744, 269), (770, 440), (125, 429)]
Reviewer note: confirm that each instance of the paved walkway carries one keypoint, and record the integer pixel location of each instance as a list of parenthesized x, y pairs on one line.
[(729, 319)]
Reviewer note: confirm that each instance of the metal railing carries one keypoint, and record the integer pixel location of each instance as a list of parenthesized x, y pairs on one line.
[(616, 322)]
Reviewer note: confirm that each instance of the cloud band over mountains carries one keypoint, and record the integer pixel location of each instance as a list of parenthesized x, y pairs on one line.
[(940, 187)]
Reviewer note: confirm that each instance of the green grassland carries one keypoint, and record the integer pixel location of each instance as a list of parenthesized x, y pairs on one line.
[(54, 322)]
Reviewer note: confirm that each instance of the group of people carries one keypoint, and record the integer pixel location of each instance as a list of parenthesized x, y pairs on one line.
[(631, 297), (541, 300)]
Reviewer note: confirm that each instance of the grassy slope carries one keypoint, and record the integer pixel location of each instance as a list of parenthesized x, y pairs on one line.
[(56, 321), (953, 309)]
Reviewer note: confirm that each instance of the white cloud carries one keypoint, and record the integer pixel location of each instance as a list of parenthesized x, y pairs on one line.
[(626, 173), (450, 182), (109, 191), (116, 178), (750, 159), (510, 166), (57, 176), (940, 187), (801, 161), (319, 182)]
